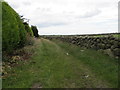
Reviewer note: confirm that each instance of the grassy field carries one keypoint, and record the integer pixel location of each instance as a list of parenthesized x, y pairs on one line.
[(61, 65)]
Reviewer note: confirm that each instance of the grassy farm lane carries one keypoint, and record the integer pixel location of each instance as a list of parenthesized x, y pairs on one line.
[(61, 65)]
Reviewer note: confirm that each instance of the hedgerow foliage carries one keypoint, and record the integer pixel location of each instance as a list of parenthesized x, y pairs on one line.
[(28, 29), (14, 32), (35, 31)]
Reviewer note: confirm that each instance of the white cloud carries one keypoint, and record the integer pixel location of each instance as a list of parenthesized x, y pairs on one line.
[(69, 16), (91, 13)]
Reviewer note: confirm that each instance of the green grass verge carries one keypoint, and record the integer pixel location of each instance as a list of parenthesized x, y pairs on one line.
[(104, 66), (60, 65)]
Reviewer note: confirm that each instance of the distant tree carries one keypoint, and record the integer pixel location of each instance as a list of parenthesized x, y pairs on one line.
[(35, 31)]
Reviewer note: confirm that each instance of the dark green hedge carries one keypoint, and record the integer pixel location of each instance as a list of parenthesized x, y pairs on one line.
[(13, 30), (35, 31), (28, 29)]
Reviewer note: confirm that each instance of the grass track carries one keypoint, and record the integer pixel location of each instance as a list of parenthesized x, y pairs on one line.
[(60, 65)]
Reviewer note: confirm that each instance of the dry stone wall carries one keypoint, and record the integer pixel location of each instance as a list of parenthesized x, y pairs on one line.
[(108, 44)]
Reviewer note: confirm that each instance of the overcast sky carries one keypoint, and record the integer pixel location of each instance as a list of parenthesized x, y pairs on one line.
[(69, 16)]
